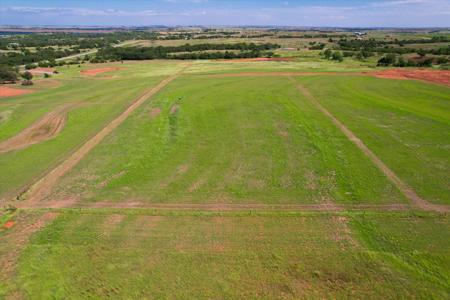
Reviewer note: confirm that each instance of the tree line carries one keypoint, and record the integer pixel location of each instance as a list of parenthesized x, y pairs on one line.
[(188, 51)]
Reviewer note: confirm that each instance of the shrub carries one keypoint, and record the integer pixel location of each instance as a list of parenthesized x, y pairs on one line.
[(27, 82), (30, 66), (337, 55), (7, 75), (27, 75)]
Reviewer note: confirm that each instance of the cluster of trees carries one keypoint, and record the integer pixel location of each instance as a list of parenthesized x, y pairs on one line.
[(221, 55), (372, 45), (392, 60), (359, 55), (188, 52), (316, 46), (7, 74), (334, 55), (11, 75), (82, 40), (27, 57)]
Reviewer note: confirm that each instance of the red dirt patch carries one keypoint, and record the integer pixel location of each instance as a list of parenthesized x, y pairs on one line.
[(174, 109), (436, 76), (41, 71), (10, 92), (44, 129), (155, 112), (258, 59), (9, 224), (93, 72)]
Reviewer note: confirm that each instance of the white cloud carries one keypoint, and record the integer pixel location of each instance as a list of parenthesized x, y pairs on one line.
[(417, 13)]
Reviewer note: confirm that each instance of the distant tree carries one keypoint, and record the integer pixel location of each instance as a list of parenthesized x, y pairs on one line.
[(30, 66), (387, 60), (7, 75), (337, 55), (421, 52), (327, 53), (401, 62), (27, 75)]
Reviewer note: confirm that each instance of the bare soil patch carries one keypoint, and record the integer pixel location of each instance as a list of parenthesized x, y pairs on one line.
[(174, 109), (327, 206), (259, 59), (435, 76), (9, 224), (155, 112), (41, 71), (44, 129), (93, 72), (10, 92)]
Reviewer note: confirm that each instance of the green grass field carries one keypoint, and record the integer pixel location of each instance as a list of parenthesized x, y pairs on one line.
[(141, 255), (224, 187), (264, 144), (96, 102)]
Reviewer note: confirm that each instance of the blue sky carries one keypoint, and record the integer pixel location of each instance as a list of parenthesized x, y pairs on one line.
[(346, 13)]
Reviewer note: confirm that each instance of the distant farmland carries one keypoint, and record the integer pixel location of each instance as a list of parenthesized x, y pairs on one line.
[(251, 179)]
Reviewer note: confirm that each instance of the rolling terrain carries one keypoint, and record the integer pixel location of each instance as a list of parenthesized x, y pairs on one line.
[(211, 179)]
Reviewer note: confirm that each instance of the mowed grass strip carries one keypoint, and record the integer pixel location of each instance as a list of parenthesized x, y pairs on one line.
[(83, 255), (97, 100), (405, 123), (227, 140)]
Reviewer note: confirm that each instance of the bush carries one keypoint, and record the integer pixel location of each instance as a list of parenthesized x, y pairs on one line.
[(347, 54), (27, 75), (30, 66), (337, 55), (387, 60), (27, 82), (46, 75), (7, 75), (327, 53)]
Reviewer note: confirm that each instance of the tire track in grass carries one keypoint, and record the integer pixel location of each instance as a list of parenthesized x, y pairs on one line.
[(16, 238), (404, 188), (44, 186)]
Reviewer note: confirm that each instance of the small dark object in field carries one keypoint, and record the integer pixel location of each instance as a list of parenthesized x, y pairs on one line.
[(27, 82)]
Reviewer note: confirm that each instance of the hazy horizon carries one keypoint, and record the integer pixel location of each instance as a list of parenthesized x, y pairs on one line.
[(340, 13)]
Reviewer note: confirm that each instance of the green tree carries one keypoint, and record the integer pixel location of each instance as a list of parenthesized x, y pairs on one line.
[(27, 75), (328, 53), (7, 75), (337, 56)]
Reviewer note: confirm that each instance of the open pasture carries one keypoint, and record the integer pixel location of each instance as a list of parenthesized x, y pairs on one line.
[(89, 103), (227, 181), (138, 254)]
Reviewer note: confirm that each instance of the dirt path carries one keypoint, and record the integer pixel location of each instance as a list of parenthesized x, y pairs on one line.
[(325, 207), (44, 186), (16, 239), (400, 184), (44, 129)]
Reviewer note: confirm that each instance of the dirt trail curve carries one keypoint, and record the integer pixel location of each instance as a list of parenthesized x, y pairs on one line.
[(44, 186), (402, 186), (44, 129)]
